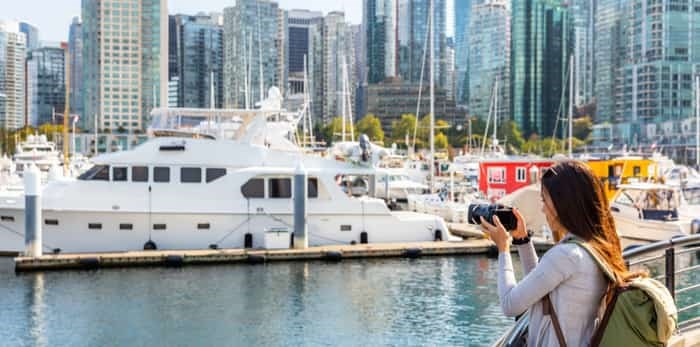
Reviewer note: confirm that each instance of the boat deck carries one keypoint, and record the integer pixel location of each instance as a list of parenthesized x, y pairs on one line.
[(223, 256)]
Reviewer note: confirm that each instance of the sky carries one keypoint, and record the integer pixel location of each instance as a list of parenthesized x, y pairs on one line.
[(53, 17)]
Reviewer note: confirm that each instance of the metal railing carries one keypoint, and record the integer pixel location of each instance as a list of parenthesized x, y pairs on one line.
[(663, 251)]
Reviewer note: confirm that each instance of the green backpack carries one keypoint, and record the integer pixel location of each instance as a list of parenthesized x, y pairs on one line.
[(640, 313)]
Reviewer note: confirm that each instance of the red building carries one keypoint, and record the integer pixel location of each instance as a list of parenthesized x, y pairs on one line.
[(498, 178)]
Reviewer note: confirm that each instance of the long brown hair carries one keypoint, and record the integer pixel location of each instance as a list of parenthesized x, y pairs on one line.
[(583, 209)]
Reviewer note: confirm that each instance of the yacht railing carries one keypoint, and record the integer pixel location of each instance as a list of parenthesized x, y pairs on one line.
[(665, 253)]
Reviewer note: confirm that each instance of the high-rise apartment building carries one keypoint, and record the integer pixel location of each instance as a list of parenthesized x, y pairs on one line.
[(198, 60), (305, 48), (462, 15), (32, 34), (489, 59), (12, 76), (413, 33), (125, 46), (541, 43), (583, 14), (75, 49), (609, 55), (338, 67), (254, 51), (380, 22), (46, 84)]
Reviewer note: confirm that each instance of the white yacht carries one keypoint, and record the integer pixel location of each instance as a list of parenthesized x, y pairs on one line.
[(194, 190), (36, 150), (654, 212)]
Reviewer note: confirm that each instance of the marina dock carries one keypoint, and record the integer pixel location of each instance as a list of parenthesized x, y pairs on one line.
[(176, 258)]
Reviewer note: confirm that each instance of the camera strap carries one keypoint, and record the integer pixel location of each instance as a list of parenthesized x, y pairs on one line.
[(548, 310)]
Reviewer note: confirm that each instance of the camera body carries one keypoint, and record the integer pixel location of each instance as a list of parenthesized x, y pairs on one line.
[(505, 215)]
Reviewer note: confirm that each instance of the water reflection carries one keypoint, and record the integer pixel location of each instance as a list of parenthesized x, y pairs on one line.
[(37, 314)]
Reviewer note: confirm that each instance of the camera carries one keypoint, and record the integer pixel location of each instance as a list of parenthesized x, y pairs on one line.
[(505, 215)]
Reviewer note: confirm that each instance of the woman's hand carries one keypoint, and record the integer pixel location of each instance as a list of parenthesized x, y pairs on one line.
[(520, 231), (497, 233)]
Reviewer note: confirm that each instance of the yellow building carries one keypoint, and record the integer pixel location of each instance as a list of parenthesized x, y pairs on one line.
[(622, 170)]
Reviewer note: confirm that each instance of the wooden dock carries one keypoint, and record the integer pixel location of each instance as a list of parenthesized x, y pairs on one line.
[(176, 258)]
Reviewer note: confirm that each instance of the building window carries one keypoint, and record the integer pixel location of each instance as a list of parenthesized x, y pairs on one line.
[(280, 188), (139, 173), (161, 174), (191, 175), (497, 175), (520, 174), (214, 174), (254, 188), (119, 174)]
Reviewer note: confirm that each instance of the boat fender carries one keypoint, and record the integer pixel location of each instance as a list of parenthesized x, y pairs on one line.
[(248, 240), (150, 246), (174, 260), (413, 253), (89, 263), (364, 237), (492, 252), (695, 226), (333, 256), (353, 242), (438, 235), (255, 259), (214, 246), (56, 251)]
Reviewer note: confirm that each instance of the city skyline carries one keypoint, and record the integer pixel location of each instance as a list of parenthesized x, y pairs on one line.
[(56, 17)]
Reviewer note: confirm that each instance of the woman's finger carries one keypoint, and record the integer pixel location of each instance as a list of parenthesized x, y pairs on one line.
[(517, 214), (498, 223)]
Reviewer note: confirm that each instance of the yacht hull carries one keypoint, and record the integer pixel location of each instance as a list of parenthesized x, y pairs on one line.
[(81, 232)]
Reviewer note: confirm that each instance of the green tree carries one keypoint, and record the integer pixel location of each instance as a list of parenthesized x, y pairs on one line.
[(401, 127), (440, 141), (582, 128), (511, 133), (333, 131), (372, 127)]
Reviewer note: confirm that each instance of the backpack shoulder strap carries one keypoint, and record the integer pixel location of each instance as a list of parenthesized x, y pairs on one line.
[(592, 252)]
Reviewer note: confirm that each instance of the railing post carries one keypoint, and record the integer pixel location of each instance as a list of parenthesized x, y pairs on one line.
[(671, 271)]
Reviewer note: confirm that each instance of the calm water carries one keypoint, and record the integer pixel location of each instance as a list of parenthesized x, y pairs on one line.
[(429, 301)]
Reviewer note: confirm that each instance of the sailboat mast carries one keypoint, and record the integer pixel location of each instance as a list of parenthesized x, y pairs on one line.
[(571, 105), (342, 88), (697, 121), (494, 142), (431, 166)]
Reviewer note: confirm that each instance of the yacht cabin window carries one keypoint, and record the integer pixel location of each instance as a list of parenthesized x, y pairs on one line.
[(214, 174), (280, 188), (119, 174), (254, 188), (96, 173), (161, 174), (190, 175), (139, 173), (312, 187)]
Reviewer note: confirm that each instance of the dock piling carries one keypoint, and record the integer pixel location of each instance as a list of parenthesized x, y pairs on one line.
[(32, 212), (300, 199)]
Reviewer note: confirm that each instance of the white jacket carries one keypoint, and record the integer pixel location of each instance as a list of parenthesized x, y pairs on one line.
[(575, 284)]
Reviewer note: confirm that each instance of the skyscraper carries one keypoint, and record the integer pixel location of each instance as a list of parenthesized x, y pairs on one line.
[(31, 33), (338, 63), (380, 25), (360, 107), (254, 52), (199, 55), (656, 93), (12, 71), (610, 43), (304, 44), (541, 42), (125, 45), (583, 13), (75, 48), (46, 84), (489, 59), (413, 31), (462, 13)]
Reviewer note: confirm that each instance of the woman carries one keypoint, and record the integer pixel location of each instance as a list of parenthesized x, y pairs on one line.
[(575, 206)]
